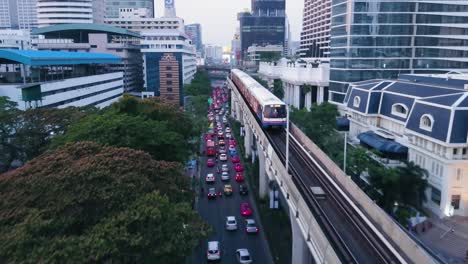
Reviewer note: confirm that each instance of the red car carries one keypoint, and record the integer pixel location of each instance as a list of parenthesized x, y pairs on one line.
[(210, 163), (239, 177), (232, 142), (245, 209), (235, 159), (238, 167)]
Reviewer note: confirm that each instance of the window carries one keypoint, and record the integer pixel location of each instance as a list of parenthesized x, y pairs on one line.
[(435, 195), (459, 174), (456, 201), (169, 89), (169, 82), (169, 75), (357, 101), (400, 110), (168, 68), (426, 122), (93, 46)]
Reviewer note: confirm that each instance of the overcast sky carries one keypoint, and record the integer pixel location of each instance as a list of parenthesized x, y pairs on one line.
[(219, 17)]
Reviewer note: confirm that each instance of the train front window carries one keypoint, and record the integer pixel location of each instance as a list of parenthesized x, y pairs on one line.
[(275, 111)]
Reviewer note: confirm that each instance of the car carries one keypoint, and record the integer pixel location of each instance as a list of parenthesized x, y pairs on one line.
[(245, 209), (225, 176), (233, 152), (243, 189), (225, 168), (228, 135), (210, 163), (210, 178), (228, 189), (221, 142), (225, 121), (231, 148), (232, 142), (231, 223), (238, 167), (222, 150), (213, 252), (228, 130), (250, 226), (223, 157), (239, 177), (243, 256), (212, 193), (235, 159), (220, 133)]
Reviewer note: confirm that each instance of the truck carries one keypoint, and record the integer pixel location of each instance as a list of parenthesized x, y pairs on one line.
[(210, 148)]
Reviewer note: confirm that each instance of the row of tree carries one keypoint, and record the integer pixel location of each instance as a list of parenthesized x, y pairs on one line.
[(98, 185), (404, 185)]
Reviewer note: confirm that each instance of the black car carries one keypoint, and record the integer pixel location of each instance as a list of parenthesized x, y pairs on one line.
[(212, 193), (243, 189)]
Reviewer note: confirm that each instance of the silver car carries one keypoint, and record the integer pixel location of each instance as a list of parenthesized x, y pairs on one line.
[(231, 223), (213, 252), (225, 176), (243, 256), (250, 226)]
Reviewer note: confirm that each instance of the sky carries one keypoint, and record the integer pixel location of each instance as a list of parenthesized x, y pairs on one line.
[(219, 17)]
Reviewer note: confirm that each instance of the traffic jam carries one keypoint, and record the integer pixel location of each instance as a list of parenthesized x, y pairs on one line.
[(224, 185)]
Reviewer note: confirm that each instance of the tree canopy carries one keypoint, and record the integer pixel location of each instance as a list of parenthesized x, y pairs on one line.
[(88, 203)]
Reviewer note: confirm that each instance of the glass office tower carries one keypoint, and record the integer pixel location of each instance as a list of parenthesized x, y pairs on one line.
[(380, 39)]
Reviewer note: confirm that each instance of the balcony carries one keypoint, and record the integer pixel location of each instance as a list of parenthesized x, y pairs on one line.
[(297, 73)]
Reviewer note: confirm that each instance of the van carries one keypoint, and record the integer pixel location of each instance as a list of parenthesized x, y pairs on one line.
[(213, 252)]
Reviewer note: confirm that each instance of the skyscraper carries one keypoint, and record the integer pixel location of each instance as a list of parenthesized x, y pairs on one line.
[(18, 14), (264, 25), (53, 12), (315, 35), (381, 39), (194, 32), (113, 6)]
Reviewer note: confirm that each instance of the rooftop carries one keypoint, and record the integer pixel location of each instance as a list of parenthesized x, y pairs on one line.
[(49, 58), (67, 30)]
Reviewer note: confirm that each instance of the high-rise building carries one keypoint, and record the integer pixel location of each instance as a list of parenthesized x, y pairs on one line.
[(194, 32), (381, 39), (264, 25), (213, 53), (18, 14), (315, 35), (113, 6), (54, 12)]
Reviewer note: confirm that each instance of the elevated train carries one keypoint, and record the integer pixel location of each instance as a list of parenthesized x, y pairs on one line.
[(270, 110)]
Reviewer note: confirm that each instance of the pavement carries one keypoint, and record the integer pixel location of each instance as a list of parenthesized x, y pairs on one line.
[(214, 212), (450, 245)]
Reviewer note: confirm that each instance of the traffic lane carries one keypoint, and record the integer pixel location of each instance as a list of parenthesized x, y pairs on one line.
[(215, 212)]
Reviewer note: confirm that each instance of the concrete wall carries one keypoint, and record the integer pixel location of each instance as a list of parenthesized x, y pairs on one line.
[(379, 218)]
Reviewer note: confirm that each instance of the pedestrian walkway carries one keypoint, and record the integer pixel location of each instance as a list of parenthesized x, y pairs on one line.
[(448, 237)]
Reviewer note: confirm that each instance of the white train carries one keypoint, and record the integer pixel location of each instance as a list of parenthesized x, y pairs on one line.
[(270, 110)]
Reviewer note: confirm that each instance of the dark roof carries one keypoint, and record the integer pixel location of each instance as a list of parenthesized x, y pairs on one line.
[(447, 100), (420, 90), (45, 58), (91, 28), (373, 140), (434, 80)]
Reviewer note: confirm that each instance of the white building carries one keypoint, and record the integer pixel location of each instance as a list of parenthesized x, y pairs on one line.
[(295, 77), (259, 53), (18, 14), (423, 118), (213, 53), (60, 79), (56, 12)]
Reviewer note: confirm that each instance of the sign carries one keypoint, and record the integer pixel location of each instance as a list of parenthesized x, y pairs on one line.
[(210, 100)]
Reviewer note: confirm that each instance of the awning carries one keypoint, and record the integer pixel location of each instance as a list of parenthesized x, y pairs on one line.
[(382, 144), (342, 124)]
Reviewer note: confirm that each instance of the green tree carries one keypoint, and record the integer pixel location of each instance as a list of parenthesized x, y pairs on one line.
[(278, 88), (200, 85), (387, 182), (413, 184), (9, 120), (85, 203), (359, 160)]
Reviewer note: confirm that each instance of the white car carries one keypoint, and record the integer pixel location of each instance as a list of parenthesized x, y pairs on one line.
[(228, 135), (210, 178), (243, 255), (225, 176), (223, 157), (213, 252), (250, 226), (228, 130), (231, 223), (225, 168)]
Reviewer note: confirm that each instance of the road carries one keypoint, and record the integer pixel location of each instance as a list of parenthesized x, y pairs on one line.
[(215, 212)]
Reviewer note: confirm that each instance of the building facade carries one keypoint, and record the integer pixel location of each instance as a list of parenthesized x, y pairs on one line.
[(264, 25), (113, 6), (381, 39), (425, 117), (61, 79), (213, 54), (194, 32), (55, 12), (315, 35), (98, 39), (18, 14)]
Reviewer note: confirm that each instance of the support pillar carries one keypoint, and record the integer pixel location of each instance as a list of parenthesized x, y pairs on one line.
[(233, 107), (300, 251), (248, 141), (296, 96), (264, 188), (320, 95), (238, 113)]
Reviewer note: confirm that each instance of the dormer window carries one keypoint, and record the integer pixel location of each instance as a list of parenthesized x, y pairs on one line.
[(400, 110), (356, 101), (426, 122)]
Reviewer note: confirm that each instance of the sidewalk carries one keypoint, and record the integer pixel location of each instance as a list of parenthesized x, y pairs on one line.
[(453, 246)]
